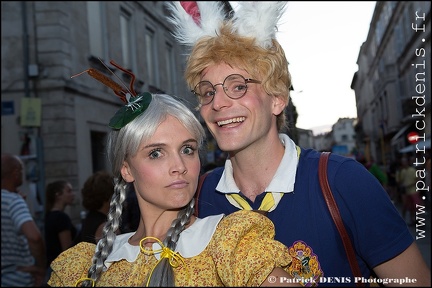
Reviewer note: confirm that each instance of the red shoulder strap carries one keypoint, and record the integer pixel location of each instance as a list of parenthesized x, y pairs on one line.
[(197, 193), (334, 212)]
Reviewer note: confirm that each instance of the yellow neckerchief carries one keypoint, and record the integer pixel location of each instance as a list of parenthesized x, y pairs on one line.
[(269, 203)]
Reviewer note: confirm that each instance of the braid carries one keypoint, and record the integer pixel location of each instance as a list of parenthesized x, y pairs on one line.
[(163, 273), (105, 244), (178, 225)]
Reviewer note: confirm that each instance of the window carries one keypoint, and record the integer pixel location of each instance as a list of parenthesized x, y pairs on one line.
[(98, 140), (151, 57), (126, 43), (96, 29), (170, 68)]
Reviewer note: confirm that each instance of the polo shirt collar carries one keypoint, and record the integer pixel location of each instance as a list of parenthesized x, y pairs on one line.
[(283, 180)]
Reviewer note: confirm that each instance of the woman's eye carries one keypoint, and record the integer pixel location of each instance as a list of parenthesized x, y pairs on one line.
[(189, 150), (155, 154)]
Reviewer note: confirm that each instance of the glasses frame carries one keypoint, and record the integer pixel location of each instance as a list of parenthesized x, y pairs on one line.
[(200, 97)]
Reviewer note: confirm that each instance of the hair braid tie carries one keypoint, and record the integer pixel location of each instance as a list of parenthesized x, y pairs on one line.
[(174, 258), (80, 281)]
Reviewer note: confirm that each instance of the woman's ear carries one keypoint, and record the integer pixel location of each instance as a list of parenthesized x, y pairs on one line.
[(125, 172)]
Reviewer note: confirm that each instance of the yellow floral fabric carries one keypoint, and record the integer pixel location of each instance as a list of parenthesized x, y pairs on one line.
[(242, 252)]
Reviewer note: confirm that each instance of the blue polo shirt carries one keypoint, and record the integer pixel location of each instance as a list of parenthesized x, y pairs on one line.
[(302, 220)]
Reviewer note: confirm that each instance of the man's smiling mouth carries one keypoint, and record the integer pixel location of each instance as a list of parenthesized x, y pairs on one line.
[(232, 120)]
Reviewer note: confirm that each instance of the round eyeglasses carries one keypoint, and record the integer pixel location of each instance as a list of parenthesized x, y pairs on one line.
[(234, 86)]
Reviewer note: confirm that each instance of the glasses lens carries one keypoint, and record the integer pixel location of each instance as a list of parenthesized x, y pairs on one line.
[(205, 92), (235, 86)]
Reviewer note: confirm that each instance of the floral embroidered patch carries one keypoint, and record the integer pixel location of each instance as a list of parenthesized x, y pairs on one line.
[(305, 265)]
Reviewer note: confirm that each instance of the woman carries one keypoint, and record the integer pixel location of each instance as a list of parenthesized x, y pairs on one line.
[(96, 195), (60, 232), (154, 147)]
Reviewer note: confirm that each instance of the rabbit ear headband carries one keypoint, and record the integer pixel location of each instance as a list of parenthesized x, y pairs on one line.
[(196, 19)]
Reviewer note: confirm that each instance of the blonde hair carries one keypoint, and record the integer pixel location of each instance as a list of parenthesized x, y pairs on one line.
[(270, 66)]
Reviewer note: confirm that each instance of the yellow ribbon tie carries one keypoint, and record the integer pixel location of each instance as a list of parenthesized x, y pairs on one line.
[(242, 202), (267, 203), (175, 259), (84, 279)]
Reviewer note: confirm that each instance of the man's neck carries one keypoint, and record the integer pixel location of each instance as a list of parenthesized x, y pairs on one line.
[(9, 188), (254, 168)]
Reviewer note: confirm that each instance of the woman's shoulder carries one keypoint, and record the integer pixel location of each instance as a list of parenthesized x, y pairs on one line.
[(195, 238), (77, 253), (58, 219), (235, 226), (57, 213), (72, 264)]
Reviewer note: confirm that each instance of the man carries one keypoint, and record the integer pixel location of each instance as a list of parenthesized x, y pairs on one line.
[(239, 73), (406, 178), (22, 245)]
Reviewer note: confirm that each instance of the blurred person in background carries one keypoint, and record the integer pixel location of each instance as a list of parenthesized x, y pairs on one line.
[(23, 260), (392, 186), (406, 178), (60, 232), (131, 212), (375, 170), (96, 195)]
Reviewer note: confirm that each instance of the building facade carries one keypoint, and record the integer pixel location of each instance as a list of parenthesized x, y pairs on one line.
[(393, 83), (56, 123), (344, 137)]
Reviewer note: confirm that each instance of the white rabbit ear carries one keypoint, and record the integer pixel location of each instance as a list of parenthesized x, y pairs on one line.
[(193, 20), (259, 19)]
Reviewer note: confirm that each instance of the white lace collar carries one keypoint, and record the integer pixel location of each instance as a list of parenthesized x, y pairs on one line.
[(192, 241)]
